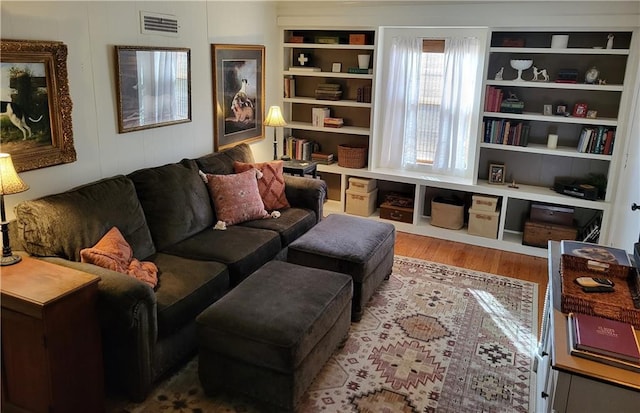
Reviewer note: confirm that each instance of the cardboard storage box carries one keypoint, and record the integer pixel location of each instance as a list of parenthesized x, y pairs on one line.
[(483, 223), (396, 213), (537, 234), (552, 214), (360, 203), (447, 213), (484, 203), (362, 184)]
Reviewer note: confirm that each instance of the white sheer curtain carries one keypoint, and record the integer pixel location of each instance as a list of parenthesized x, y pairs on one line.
[(400, 98), (461, 61)]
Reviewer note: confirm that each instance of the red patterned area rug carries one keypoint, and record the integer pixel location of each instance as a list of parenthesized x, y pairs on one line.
[(434, 338)]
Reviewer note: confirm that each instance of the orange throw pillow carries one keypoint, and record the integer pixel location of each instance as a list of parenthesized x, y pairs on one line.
[(271, 185), (236, 197), (114, 253)]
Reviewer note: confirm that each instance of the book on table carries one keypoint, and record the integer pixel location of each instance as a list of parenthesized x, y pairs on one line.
[(607, 337), (597, 357)]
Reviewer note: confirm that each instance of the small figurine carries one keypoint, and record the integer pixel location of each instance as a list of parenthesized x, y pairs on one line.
[(610, 41), (499, 74), (513, 185), (541, 72)]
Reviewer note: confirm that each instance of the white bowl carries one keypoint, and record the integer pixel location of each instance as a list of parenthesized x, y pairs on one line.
[(521, 64)]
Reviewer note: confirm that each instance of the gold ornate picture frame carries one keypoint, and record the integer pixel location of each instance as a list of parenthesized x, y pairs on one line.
[(35, 122), (238, 90)]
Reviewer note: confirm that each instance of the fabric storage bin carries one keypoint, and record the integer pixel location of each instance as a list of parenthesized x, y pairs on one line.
[(362, 184), (360, 203), (484, 203), (483, 223), (447, 213)]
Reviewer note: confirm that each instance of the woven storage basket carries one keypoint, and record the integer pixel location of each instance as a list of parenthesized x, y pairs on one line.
[(616, 305), (352, 156)]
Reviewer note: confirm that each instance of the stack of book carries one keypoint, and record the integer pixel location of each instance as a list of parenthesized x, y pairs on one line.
[(598, 140), (328, 91), (289, 87), (493, 99), (603, 340), (363, 94), (333, 122), (299, 148), (507, 132), (322, 158), (358, 71)]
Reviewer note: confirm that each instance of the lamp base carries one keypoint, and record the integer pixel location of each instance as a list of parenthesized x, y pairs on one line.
[(10, 260)]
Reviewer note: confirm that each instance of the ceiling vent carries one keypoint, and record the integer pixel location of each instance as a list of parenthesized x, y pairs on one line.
[(155, 23)]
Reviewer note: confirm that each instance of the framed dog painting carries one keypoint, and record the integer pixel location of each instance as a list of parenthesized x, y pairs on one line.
[(238, 89), (35, 121)]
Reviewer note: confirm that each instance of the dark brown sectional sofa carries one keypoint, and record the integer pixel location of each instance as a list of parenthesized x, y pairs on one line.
[(165, 213)]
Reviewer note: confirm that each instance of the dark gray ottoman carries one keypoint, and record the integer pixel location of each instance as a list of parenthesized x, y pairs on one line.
[(360, 247), (270, 336)]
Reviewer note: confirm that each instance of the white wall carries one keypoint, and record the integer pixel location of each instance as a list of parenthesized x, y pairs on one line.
[(90, 30)]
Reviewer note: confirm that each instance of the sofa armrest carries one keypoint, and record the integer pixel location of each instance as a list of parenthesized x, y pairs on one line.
[(128, 321), (303, 192)]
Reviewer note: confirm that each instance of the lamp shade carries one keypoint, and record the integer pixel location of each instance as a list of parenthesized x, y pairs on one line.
[(10, 182), (274, 117)]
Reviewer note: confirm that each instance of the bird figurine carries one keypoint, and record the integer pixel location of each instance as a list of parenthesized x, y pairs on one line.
[(241, 105)]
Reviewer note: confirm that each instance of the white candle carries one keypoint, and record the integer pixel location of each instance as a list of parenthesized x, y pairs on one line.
[(552, 141)]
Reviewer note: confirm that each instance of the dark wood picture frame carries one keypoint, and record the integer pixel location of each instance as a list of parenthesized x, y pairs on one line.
[(36, 105), (497, 173), (238, 90), (145, 102)]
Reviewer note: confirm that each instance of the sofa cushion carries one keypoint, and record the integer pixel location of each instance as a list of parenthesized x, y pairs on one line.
[(292, 223), (221, 163), (242, 249), (236, 197), (270, 185), (186, 287), (175, 201), (63, 224), (114, 253)]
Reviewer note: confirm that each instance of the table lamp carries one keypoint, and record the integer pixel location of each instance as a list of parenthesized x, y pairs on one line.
[(10, 183), (275, 119)]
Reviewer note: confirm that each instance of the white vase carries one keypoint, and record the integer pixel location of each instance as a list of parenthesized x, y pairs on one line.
[(363, 61)]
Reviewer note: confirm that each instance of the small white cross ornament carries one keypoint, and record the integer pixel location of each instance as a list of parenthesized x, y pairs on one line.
[(302, 59)]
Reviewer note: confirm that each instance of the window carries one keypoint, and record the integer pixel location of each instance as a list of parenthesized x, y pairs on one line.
[(429, 99), (432, 85)]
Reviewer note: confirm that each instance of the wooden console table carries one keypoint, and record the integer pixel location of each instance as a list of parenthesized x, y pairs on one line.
[(51, 348), (566, 383)]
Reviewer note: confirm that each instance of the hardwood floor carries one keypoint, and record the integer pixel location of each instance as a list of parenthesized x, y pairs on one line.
[(489, 260)]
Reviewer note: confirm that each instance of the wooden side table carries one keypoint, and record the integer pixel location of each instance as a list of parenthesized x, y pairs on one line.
[(51, 347), (301, 168)]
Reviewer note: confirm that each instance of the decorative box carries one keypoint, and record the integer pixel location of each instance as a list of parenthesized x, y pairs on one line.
[(483, 223), (360, 203), (447, 213), (537, 234), (356, 38), (552, 214), (396, 213)]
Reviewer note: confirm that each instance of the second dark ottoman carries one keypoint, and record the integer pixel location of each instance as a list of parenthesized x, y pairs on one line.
[(270, 336), (360, 247)]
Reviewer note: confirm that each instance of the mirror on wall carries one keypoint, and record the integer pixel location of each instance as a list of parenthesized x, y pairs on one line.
[(153, 86)]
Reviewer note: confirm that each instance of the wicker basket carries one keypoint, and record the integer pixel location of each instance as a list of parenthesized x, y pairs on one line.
[(352, 156), (616, 305)]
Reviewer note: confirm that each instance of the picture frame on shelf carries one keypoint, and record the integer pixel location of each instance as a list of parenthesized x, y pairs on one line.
[(239, 94), (592, 114), (35, 72), (165, 97), (580, 110), (547, 110), (336, 67), (497, 174)]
